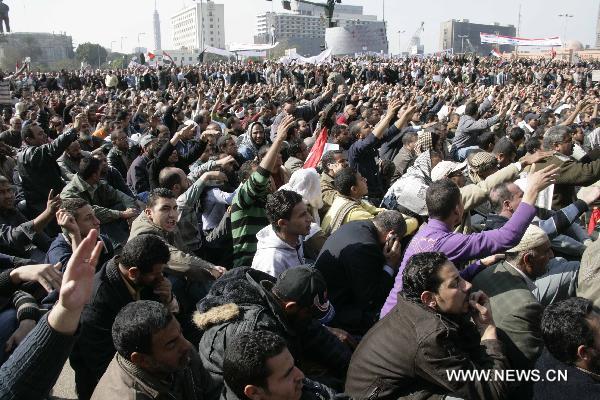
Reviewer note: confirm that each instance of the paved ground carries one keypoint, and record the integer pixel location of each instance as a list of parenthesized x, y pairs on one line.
[(65, 386)]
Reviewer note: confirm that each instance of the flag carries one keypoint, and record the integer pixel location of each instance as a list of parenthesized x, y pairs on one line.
[(594, 219), (316, 152), (553, 52), (151, 56), (494, 53), (169, 57)]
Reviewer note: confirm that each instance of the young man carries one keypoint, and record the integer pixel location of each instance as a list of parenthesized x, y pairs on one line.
[(280, 243), (136, 274), (151, 351), (259, 366), (410, 353), (332, 162), (117, 156)]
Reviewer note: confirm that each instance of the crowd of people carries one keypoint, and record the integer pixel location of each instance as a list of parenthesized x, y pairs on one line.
[(363, 228)]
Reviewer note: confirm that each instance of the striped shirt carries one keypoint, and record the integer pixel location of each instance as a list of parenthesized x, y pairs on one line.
[(248, 216)]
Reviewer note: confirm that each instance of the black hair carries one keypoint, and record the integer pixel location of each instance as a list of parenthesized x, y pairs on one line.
[(88, 166), (27, 132), (337, 128), (71, 205), (471, 108), (498, 195), (246, 170), (280, 204), (354, 128), (516, 134), (222, 141), (486, 139), (168, 178), (230, 121), (410, 137), (122, 115), (390, 220), (329, 158), (144, 252), (344, 180), (505, 146), (564, 328), (441, 198), (135, 325), (422, 274), (295, 147), (245, 360), (159, 193), (533, 144)]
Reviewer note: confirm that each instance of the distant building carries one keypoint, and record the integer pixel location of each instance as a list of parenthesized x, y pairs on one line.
[(138, 50), (157, 37), (598, 29), (463, 36), (358, 38), (198, 26), (43, 48), (304, 27)]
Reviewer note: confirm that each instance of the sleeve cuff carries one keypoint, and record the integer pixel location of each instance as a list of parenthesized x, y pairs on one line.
[(389, 270)]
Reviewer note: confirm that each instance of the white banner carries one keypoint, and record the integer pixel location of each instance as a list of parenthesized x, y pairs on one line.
[(320, 58), (515, 41)]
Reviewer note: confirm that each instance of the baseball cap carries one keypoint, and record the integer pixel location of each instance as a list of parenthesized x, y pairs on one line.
[(445, 168), (531, 116), (146, 140), (306, 286)]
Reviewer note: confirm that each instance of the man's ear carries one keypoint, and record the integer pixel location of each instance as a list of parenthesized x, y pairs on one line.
[(253, 392), (281, 223), (141, 360), (148, 212), (133, 273), (291, 306), (428, 298)]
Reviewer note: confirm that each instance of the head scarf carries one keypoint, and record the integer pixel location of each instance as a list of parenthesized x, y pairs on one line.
[(533, 237), (479, 163), (307, 183), (411, 188)]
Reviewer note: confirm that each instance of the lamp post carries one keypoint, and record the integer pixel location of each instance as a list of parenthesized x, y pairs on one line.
[(111, 45), (122, 37), (566, 19), (462, 43), (400, 42)]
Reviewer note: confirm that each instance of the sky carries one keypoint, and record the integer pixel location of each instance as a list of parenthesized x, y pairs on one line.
[(110, 22)]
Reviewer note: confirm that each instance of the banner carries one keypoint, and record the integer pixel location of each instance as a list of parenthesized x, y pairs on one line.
[(320, 58), (515, 41)]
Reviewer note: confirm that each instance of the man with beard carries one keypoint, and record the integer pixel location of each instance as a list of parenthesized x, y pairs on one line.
[(153, 358), (570, 330), (252, 140), (118, 156), (70, 159), (137, 274), (428, 333), (88, 141)]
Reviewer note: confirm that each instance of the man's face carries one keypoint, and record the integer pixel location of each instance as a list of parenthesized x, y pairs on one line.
[(351, 111), (361, 185), (39, 137), (343, 138), (171, 352), (538, 260), (299, 222), (7, 196), (303, 129), (86, 220), (566, 146), (103, 162), (15, 124), (285, 379), (121, 141), (365, 129), (340, 163), (593, 321), (164, 214), (452, 296), (258, 135), (289, 107), (150, 279), (230, 148), (303, 152)]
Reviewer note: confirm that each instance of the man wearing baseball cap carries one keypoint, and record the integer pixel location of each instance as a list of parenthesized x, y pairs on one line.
[(295, 306)]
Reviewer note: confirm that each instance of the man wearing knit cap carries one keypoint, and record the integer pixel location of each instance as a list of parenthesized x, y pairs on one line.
[(509, 286)]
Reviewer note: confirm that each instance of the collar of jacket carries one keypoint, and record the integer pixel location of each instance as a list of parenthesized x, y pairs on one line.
[(450, 322), (143, 381), (78, 183)]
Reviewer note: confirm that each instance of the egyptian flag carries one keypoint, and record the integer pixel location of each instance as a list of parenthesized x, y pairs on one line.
[(494, 53), (151, 56), (553, 52), (316, 152), (169, 57)]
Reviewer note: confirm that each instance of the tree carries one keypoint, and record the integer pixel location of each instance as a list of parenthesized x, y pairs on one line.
[(93, 53)]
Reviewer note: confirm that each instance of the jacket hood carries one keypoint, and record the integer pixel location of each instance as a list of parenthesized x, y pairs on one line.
[(235, 288), (268, 239)]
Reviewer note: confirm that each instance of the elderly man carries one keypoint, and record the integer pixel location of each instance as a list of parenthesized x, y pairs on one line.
[(509, 285)]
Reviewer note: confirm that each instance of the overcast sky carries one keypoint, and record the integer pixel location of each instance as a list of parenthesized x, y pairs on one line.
[(109, 20)]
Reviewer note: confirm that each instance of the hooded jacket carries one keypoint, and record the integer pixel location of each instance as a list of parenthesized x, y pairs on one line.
[(241, 301), (273, 255)]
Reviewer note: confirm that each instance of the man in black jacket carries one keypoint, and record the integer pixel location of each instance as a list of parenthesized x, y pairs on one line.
[(294, 306), (37, 167), (359, 262), (134, 275)]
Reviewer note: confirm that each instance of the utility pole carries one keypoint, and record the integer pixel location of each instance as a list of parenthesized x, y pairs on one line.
[(462, 43), (122, 37), (566, 19), (518, 32), (400, 42)]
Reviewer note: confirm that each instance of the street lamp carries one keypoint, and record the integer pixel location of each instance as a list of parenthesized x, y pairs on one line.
[(400, 42), (122, 37), (462, 43), (566, 19), (111, 45)]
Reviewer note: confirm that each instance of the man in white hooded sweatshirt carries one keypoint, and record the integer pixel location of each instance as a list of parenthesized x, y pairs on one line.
[(280, 244)]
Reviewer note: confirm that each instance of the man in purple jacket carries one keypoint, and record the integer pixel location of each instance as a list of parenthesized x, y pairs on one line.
[(445, 208)]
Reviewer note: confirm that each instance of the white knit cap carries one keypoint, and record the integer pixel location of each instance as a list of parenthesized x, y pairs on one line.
[(534, 237)]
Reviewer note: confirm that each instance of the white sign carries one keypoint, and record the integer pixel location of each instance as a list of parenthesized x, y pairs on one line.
[(596, 75), (515, 41)]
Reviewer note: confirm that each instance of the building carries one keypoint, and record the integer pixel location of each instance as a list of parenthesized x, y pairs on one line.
[(357, 38), (156, 25), (43, 48), (198, 26), (463, 36), (303, 28), (598, 29)]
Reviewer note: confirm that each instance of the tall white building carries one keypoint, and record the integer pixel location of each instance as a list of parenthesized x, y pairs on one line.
[(200, 25), (156, 20), (304, 27)]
